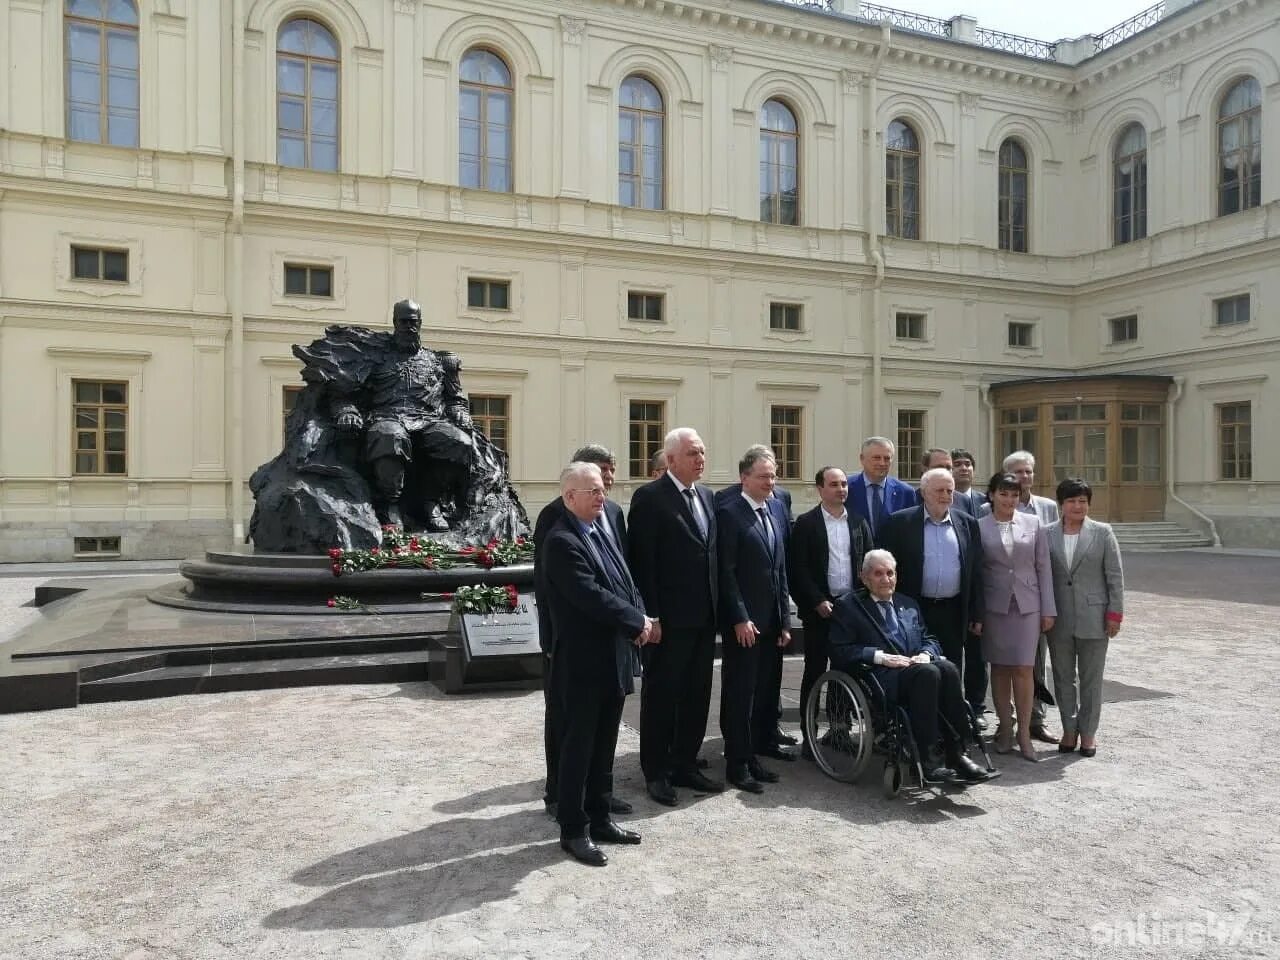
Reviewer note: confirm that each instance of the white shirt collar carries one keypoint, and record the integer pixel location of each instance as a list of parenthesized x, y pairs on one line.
[(755, 504), (826, 514), (676, 480)]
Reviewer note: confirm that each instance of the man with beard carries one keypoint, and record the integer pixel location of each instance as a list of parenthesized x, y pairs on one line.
[(416, 411)]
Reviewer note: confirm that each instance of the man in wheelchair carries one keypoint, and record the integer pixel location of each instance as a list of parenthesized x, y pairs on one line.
[(877, 630)]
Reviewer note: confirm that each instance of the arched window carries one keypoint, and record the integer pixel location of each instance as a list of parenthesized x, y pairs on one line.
[(307, 72), (1129, 203), (902, 181), (1240, 147), (640, 144), (102, 71), (779, 164), (1013, 196), (484, 121)]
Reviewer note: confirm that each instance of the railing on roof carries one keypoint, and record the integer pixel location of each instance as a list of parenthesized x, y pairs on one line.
[(1131, 27), (1012, 43), (904, 19)]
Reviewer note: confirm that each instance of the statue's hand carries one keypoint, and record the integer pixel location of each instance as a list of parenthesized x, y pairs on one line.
[(350, 421)]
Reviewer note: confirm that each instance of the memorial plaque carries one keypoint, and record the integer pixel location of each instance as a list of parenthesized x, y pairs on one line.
[(502, 634)]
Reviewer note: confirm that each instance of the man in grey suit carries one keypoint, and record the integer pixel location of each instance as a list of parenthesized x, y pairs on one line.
[(1022, 464)]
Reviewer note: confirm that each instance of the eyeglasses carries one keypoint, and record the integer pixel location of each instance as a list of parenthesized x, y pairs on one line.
[(593, 492)]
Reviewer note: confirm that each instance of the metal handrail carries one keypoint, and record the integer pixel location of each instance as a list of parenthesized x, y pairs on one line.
[(904, 20), (1012, 43), (1131, 27)]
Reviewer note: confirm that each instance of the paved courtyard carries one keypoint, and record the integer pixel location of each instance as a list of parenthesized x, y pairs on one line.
[(393, 822)]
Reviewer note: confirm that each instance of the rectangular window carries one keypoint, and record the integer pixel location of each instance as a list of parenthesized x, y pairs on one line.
[(1123, 329), (1231, 310), (99, 427), (94, 263), (786, 436), (909, 326), (491, 413), (646, 427), (1141, 433), (288, 400), (93, 547), (307, 281), (645, 307), (1235, 441), (489, 294), (910, 442), (1022, 334), (1019, 427), (786, 316)]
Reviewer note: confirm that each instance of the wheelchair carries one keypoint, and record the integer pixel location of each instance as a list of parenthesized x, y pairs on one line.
[(848, 719)]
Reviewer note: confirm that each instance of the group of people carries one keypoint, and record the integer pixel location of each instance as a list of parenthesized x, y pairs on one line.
[(925, 588)]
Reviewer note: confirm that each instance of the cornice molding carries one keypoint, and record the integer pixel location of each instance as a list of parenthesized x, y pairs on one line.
[(99, 353)]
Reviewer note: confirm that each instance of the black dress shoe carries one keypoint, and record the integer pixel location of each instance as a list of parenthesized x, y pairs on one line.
[(584, 851), (940, 773), (1043, 735), (784, 739), (970, 772), (1088, 751), (696, 780), (740, 776), (612, 833), (660, 792), (761, 773), (776, 753), (617, 805)]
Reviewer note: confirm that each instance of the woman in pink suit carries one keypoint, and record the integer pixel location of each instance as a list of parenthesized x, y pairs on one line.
[(1017, 583)]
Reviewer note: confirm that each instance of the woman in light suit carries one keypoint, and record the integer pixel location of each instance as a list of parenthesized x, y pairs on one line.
[(1018, 593), (1088, 586)]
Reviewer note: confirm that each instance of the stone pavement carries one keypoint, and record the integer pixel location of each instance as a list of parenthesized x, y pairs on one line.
[(392, 822)]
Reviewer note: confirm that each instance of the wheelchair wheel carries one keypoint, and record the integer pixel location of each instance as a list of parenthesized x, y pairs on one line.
[(891, 779), (837, 726)]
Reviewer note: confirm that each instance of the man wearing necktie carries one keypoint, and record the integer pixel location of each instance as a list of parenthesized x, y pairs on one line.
[(598, 624), (755, 621), (873, 494), (884, 630), (672, 544)]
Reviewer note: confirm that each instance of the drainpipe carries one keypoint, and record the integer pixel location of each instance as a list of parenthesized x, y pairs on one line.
[(235, 275), (1171, 405), (875, 226)]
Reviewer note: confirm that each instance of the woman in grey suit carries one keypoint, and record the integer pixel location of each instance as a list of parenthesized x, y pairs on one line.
[(1018, 593), (1088, 585)]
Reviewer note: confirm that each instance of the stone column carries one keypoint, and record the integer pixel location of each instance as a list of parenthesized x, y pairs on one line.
[(571, 109), (718, 130), (404, 77)]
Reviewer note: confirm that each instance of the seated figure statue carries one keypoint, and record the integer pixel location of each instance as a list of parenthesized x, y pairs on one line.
[(884, 631), (381, 435)]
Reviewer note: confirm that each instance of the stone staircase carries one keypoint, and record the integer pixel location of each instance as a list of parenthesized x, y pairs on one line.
[(1158, 536)]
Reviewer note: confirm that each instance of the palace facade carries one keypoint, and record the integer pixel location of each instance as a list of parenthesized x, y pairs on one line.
[(794, 222)]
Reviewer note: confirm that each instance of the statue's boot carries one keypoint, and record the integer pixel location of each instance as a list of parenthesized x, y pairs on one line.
[(391, 516), (436, 522)]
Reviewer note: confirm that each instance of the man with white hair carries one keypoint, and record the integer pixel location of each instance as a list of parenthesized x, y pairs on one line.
[(939, 556), (672, 548), (1022, 464), (883, 630)]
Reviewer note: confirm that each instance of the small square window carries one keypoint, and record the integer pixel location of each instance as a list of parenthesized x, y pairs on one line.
[(95, 547), (1123, 329), (95, 263), (489, 294), (786, 316), (1022, 334), (909, 326), (1230, 311), (645, 307), (307, 281)]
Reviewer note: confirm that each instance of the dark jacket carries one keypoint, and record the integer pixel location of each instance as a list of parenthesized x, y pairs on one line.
[(903, 536), (547, 517), (753, 580), (733, 490), (857, 632), (674, 567), (593, 622), (897, 496), (809, 553)]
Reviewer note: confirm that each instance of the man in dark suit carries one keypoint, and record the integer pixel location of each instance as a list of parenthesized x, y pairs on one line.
[(672, 547), (939, 565), (755, 621), (968, 497), (884, 630), (597, 624), (873, 494), (827, 546), (614, 525)]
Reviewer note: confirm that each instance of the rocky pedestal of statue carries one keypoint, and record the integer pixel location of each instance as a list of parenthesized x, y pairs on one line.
[(381, 435)]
